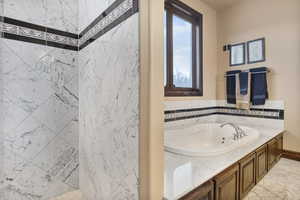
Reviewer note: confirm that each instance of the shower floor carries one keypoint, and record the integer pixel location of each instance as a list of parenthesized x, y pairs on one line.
[(75, 195)]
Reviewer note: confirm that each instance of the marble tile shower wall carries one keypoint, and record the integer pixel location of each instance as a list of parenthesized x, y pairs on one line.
[(95, 8), (109, 107), (39, 106), (57, 14)]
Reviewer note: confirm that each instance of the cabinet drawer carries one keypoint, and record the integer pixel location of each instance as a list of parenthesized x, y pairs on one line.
[(247, 174), (279, 145), (227, 184), (261, 162), (272, 153), (203, 192)]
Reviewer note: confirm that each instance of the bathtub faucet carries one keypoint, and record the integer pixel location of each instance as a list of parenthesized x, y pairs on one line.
[(239, 133)]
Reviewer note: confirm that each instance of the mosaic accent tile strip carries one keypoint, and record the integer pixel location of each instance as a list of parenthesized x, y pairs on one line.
[(27, 32), (189, 113), (174, 115), (118, 12)]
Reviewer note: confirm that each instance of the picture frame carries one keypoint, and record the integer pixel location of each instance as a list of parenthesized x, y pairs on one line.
[(237, 54), (256, 51)]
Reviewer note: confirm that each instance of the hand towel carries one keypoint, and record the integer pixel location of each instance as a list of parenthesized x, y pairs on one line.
[(243, 90), (259, 85), (231, 86), (244, 82)]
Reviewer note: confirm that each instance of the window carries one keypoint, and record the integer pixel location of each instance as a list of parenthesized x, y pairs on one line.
[(183, 50)]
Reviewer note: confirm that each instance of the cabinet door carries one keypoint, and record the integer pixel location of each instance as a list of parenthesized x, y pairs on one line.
[(204, 192), (279, 146), (247, 174), (261, 162), (272, 153), (227, 184)]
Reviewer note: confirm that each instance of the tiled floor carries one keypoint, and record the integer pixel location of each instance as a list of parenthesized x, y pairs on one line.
[(281, 183)]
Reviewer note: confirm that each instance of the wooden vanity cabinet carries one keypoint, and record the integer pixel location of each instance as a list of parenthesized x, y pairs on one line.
[(227, 184), (272, 153), (203, 192), (275, 148), (261, 162), (247, 174), (279, 146), (235, 182)]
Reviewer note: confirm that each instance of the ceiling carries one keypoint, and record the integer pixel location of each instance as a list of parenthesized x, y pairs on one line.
[(220, 4)]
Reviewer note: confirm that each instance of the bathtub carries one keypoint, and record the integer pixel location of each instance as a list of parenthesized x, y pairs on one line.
[(206, 139)]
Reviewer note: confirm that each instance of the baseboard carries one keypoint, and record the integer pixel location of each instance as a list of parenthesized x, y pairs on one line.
[(291, 155)]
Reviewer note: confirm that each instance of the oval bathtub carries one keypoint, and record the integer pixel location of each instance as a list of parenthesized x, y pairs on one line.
[(205, 139)]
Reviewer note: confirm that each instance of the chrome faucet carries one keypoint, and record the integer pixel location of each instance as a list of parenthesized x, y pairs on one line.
[(239, 133)]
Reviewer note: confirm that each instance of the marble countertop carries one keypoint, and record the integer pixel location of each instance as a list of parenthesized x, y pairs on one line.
[(183, 173)]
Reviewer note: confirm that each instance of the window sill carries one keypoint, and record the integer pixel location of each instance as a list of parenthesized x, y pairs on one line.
[(182, 92)]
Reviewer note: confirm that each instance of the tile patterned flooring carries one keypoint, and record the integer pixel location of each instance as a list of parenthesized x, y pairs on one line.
[(75, 195), (281, 183)]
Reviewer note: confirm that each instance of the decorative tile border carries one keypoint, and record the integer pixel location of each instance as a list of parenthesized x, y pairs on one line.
[(115, 14), (118, 12), (27, 32), (174, 115)]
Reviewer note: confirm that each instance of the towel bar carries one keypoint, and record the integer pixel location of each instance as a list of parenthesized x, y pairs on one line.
[(249, 72)]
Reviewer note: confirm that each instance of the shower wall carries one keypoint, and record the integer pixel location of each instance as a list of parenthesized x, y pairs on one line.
[(109, 99), (39, 100), (46, 54)]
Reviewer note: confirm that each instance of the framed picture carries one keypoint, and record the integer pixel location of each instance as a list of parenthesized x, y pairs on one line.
[(237, 54), (256, 51)]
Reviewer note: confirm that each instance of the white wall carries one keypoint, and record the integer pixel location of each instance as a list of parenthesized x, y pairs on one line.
[(278, 22)]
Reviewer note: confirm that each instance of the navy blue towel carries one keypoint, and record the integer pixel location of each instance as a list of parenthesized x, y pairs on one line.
[(259, 86), (231, 86), (243, 83)]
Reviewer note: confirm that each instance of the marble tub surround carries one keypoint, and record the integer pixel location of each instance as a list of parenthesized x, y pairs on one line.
[(251, 121), (191, 104), (277, 108), (197, 109), (270, 104), (281, 183), (191, 121), (184, 173), (39, 120), (193, 111), (109, 114)]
